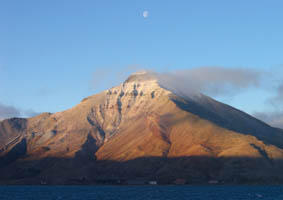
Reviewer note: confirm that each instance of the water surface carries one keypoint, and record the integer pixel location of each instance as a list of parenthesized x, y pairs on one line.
[(141, 192)]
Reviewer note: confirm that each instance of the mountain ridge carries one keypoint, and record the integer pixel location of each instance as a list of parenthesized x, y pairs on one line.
[(140, 123)]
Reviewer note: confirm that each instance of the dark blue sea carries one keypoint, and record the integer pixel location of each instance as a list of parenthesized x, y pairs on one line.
[(141, 192)]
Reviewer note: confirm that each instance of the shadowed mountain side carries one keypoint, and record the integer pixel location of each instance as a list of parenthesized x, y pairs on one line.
[(18, 151), (228, 117), (195, 170), (88, 149)]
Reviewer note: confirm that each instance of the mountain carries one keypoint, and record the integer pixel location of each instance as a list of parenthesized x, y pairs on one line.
[(143, 129)]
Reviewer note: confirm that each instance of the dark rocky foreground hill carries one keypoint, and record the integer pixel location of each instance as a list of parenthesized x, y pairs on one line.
[(141, 130)]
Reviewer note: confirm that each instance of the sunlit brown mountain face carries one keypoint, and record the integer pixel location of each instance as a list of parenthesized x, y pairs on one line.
[(141, 130)]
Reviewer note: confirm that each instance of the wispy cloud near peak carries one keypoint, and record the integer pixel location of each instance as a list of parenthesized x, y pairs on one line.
[(212, 81), (7, 111)]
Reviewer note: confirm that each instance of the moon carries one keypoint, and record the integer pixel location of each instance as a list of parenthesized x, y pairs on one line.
[(145, 14)]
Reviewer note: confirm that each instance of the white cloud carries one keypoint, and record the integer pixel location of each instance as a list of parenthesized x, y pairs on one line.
[(7, 111), (213, 81), (277, 100)]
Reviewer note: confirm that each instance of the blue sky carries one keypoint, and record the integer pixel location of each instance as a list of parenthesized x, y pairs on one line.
[(54, 53)]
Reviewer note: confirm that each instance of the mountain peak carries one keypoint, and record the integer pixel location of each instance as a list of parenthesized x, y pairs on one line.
[(139, 84), (141, 76), (153, 81)]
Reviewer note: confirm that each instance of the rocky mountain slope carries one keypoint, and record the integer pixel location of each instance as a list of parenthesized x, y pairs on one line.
[(141, 129)]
